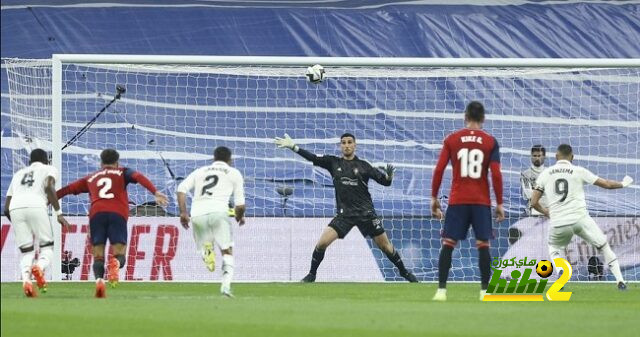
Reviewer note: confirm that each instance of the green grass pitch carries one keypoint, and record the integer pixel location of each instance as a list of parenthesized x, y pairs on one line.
[(321, 309)]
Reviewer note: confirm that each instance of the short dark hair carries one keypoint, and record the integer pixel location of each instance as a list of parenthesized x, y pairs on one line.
[(539, 148), (475, 112), (565, 150), (39, 155), (347, 134), (222, 153), (109, 156)]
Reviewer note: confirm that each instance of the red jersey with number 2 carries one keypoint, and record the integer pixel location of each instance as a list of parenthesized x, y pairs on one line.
[(471, 152), (107, 189)]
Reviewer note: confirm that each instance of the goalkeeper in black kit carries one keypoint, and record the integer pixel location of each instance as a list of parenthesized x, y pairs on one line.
[(354, 206)]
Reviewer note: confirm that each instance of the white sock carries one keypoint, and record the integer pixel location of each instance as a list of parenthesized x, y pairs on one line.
[(26, 261), (554, 253), (611, 259), (44, 258), (227, 272)]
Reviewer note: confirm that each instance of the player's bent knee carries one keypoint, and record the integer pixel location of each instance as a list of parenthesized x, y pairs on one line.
[(482, 244), (387, 247), (449, 242), (26, 249)]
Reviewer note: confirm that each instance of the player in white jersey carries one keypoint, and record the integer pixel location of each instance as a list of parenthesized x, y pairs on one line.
[(528, 178), (31, 189), (562, 184), (213, 186)]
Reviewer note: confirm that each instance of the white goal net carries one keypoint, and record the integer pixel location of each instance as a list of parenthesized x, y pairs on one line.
[(170, 118)]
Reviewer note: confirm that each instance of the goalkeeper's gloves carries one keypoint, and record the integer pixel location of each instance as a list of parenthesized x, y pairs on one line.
[(389, 170), (626, 181), (286, 142)]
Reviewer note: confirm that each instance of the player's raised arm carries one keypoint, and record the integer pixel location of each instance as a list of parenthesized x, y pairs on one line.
[(588, 177), (288, 143), (436, 181), (612, 184), (139, 178), (383, 175), (75, 188), (496, 179)]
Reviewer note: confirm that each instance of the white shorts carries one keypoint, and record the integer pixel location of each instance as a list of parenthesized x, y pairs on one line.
[(212, 227), (28, 223), (586, 228)]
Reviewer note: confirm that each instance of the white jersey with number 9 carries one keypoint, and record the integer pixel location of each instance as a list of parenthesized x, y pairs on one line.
[(563, 185)]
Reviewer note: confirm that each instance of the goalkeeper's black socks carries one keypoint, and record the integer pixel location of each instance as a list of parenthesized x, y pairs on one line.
[(397, 261), (485, 266), (98, 268), (444, 264), (316, 258)]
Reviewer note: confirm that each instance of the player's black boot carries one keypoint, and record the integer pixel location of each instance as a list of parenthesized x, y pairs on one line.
[(310, 278), (409, 277), (622, 286)]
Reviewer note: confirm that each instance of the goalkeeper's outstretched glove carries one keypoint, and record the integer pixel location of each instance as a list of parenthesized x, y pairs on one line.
[(626, 181), (389, 170), (286, 142)]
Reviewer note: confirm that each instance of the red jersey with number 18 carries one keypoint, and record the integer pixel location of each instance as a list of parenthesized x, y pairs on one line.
[(107, 189), (471, 152)]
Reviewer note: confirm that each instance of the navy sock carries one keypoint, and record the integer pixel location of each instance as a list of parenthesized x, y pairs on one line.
[(444, 264), (485, 266), (98, 268)]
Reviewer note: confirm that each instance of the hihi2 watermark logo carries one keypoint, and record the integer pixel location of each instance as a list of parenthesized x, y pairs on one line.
[(521, 287)]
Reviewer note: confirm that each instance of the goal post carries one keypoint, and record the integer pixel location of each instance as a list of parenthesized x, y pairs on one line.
[(177, 108)]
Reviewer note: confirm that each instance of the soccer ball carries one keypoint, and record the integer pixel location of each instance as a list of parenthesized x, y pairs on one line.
[(315, 74), (544, 268)]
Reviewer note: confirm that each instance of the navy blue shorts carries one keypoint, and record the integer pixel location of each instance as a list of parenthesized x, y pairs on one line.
[(109, 225), (460, 217)]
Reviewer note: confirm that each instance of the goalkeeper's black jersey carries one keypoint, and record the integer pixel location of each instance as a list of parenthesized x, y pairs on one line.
[(351, 181)]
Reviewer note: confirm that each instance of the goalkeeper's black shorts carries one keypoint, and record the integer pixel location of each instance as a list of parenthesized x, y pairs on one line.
[(369, 225)]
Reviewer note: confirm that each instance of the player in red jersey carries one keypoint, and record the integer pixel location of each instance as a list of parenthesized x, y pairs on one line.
[(472, 152), (109, 211)]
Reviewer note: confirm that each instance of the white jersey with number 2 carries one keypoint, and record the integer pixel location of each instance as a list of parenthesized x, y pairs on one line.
[(213, 186), (563, 185)]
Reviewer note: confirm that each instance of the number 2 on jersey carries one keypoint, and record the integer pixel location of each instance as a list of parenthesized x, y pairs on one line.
[(104, 193), (470, 163), (207, 187)]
